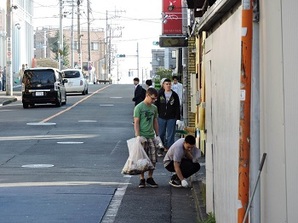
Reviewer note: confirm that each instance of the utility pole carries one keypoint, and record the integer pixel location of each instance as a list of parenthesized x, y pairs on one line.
[(108, 42), (79, 34), (107, 53), (9, 88), (72, 35), (89, 44), (60, 51), (245, 109)]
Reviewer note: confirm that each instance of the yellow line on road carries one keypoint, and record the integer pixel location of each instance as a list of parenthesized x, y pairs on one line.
[(75, 104)]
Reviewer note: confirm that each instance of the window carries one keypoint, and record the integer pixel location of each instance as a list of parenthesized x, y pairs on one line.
[(43, 76), (71, 74), (94, 46), (75, 45)]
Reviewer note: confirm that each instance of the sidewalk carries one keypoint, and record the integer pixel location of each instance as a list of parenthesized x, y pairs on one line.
[(149, 205), (7, 99)]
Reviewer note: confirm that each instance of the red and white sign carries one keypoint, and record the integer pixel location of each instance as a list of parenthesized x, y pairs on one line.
[(172, 17)]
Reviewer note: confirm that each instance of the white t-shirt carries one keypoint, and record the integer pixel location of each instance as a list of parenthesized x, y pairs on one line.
[(176, 153), (168, 95), (178, 88)]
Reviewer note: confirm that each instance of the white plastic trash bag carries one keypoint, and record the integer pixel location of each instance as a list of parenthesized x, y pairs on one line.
[(138, 162)]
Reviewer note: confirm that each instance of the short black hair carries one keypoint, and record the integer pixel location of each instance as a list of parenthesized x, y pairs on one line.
[(136, 79), (190, 139), (152, 91), (149, 82)]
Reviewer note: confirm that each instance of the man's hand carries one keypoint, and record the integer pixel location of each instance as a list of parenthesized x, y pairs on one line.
[(158, 142), (184, 183), (141, 139)]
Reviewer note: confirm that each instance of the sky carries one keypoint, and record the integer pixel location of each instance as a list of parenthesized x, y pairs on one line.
[(139, 24)]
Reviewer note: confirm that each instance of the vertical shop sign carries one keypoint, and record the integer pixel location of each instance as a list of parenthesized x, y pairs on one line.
[(171, 17)]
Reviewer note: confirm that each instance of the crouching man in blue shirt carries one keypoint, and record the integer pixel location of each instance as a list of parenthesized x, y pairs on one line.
[(183, 159)]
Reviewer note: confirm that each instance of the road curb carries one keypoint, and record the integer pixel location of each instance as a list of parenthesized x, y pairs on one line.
[(198, 193), (8, 101)]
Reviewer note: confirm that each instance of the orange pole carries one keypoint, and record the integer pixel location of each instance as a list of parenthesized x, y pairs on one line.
[(245, 104)]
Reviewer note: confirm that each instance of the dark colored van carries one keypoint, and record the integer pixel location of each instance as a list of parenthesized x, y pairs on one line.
[(43, 85)]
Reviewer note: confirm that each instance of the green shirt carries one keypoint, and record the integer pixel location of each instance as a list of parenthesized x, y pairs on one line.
[(146, 114)]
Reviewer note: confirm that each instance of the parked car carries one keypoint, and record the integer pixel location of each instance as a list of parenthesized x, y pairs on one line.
[(77, 83), (43, 85)]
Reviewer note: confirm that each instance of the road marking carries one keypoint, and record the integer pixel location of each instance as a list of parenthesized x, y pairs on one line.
[(60, 183), (37, 165), (115, 148), (74, 105), (41, 123), (40, 137), (87, 121), (113, 208), (67, 143)]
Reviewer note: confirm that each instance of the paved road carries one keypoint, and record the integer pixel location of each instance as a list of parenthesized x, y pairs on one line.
[(64, 164)]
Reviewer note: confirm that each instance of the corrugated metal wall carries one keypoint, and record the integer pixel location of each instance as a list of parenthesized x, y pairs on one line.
[(290, 49), (279, 109), (222, 67)]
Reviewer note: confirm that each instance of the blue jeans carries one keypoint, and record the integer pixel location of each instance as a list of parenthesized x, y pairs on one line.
[(3, 85), (167, 130)]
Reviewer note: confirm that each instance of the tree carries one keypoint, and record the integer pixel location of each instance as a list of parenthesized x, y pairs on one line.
[(164, 73), (160, 74), (54, 46)]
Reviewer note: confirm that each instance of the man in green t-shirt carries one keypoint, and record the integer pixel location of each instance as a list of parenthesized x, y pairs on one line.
[(146, 126)]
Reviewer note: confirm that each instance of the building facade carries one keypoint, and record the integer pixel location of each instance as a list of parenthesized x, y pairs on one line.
[(45, 36), (163, 58), (22, 31)]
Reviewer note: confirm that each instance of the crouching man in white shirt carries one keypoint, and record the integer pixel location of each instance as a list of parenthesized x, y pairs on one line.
[(183, 159)]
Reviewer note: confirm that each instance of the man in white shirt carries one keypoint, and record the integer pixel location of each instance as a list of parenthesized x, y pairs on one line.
[(178, 88), (183, 159)]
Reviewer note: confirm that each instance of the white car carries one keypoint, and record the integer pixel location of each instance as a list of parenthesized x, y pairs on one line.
[(76, 82)]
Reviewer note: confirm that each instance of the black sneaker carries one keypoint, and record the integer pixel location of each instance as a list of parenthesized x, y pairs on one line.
[(142, 183), (175, 177), (160, 152), (175, 183), (151, 182)]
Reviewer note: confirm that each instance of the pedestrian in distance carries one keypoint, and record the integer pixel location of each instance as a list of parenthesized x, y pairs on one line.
[(1, 71), (146, 130), (168, 106), (183, 159), (21, 73), (148, 83), (139, 93), (4, 79), (178, 88), (34, 62)]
